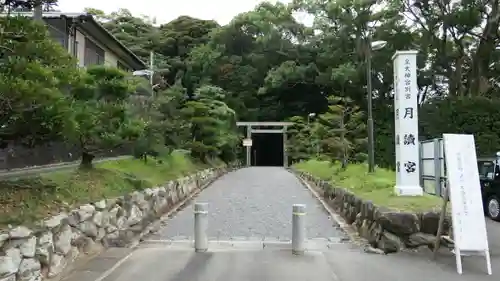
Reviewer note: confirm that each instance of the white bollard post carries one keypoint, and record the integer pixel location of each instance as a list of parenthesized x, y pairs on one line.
[(200, 227), (298, 229)]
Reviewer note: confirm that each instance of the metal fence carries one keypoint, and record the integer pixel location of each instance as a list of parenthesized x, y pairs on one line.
[(432, 166)]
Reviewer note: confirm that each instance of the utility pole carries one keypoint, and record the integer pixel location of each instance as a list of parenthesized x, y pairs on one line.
[(369, 48), (371, 145), (151, 66), (315, 140), (342, 138)]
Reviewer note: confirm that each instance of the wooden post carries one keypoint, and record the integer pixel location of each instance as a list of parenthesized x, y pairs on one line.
[(437, 243)]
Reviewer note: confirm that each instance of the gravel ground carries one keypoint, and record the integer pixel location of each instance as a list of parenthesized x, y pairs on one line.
[(253, 202)]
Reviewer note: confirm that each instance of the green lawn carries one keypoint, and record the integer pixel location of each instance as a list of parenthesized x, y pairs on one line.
[(377, 187), (30, 199)]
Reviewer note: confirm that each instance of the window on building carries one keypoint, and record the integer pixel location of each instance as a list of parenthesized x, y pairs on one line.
[(58, 30), (75, 51), (76, 47), (93, 53), (122, 67), (57, 35)]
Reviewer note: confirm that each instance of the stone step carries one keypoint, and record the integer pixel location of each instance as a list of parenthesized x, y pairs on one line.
[(243, 243)]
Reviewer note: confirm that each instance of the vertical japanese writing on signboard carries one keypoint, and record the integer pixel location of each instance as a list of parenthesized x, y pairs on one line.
[(408, 113), (408, 139), (396, 91), (406, 119), (463, 193), (407, 79)]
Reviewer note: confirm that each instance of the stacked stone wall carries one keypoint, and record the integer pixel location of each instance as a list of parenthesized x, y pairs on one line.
[(386, 229), (32, 253)]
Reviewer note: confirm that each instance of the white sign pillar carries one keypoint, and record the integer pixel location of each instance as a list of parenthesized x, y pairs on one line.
[(406, 124)]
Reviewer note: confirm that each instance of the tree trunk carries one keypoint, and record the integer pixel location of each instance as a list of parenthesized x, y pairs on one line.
[(482, 58), (38, 11), (86, 162), (342, 139)]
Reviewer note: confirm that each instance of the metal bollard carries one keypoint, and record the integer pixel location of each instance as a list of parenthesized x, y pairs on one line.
[(298, 229), (200, 227)]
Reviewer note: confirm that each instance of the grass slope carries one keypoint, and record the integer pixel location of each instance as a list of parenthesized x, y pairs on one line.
[(377, 187), (23, 201)]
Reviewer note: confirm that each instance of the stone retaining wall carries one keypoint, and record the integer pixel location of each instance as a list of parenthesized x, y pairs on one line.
[(30, 254), (383, 228)]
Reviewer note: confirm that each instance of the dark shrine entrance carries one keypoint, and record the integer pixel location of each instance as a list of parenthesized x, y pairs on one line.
[(267, 149), (265, 143)]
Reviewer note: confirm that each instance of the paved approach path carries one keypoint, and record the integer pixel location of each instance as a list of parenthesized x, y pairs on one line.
[(256, 202), (253, 202)]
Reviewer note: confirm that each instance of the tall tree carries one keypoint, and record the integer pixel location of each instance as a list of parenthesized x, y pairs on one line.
[(213, 124), (101, 116), (35, 74), (271, 67)]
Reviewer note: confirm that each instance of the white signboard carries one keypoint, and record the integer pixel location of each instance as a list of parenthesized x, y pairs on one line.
[(406, 124), (469, 227), (247, 142)]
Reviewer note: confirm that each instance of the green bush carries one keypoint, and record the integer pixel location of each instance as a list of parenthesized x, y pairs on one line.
[(377, 187), (479, 116)]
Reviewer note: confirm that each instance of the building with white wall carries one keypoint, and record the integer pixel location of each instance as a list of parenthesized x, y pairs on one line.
[(88, 40)]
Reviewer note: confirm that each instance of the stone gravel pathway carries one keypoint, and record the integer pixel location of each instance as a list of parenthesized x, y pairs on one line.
[(253, 202)]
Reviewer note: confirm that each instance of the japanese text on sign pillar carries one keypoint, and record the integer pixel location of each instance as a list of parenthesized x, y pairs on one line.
[(406, 122), (407, 79)]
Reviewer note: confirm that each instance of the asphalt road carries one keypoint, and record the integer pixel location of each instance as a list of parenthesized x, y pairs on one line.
[(256, 202), (493, 229), (30, 171), (253, 202), (340, 262)]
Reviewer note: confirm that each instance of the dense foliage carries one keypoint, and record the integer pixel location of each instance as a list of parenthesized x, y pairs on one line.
[(271, 67), (46, 98), (266, 66), (34, 76)]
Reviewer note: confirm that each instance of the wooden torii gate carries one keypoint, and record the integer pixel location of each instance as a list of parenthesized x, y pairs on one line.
[(249, 130)]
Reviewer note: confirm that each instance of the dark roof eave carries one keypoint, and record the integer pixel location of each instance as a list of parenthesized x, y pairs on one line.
[(48, 15)]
